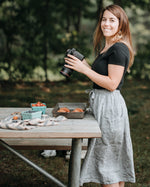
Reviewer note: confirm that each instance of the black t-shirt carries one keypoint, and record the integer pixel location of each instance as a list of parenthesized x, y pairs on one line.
[(117, 54)]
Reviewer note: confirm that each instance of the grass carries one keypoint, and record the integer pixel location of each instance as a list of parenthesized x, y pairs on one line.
[(15, 172)]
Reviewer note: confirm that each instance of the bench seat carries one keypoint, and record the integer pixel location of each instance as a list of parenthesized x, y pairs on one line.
[(42, 144)]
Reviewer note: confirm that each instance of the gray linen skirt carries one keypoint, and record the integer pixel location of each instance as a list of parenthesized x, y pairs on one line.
[(109, 159)]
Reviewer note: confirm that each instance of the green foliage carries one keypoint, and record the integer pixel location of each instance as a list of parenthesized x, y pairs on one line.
[(38, 33), (35, 30), (141, 67), (145, 4)]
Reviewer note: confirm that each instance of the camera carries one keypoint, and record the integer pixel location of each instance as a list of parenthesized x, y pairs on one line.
[(67, 71)]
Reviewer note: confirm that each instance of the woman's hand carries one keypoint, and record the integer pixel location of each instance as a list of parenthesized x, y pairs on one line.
[(76, 64)]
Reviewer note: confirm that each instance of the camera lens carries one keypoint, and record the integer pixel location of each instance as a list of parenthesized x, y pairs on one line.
[(66, 72)]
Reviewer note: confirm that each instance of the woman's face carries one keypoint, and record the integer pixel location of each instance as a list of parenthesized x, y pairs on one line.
[(109, 24)]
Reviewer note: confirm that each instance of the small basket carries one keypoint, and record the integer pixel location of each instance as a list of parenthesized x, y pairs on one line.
[(30, 114), (39, 108)]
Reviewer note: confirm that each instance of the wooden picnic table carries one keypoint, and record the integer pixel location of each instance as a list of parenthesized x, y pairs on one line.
[(75, 129)]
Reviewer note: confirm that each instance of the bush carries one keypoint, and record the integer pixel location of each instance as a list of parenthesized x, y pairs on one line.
[(141, 66)]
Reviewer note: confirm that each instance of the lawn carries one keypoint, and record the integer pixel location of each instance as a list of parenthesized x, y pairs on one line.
[(15, 172)]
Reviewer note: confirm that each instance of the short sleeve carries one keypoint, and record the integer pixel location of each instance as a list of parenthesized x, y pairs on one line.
[(119, 55)]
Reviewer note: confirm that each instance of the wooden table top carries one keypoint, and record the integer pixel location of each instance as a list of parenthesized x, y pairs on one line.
[(71, 128)]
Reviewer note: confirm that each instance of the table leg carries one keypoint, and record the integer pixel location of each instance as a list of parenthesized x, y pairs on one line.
[(75, 163)]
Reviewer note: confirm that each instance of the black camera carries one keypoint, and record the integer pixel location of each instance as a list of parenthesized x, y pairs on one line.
[(67, 71)]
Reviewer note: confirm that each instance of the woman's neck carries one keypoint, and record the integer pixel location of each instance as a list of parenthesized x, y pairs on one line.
[(108, 43), (107, 46)]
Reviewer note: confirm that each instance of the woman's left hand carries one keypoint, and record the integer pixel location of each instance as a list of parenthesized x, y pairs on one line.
[(75, 64)]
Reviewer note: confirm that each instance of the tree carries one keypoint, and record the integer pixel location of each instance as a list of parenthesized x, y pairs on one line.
[(32, 32), (9, 30), (140, 3)]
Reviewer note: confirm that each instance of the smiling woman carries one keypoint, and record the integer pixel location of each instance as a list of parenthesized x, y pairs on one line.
[(109, 24), (109, 160)]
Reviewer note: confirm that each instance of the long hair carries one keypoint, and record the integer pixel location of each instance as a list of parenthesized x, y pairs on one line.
[(123, 34)]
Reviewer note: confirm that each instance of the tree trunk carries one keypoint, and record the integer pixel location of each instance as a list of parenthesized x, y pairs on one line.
[(68, 13), (45, 49), (8, 60), (78, 21), (45, 37), (117, 2), (99, 8)]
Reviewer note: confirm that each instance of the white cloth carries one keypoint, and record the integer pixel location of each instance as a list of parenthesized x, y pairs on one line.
[(9, 123)]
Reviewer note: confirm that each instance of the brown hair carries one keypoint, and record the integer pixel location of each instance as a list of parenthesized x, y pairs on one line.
[(123, 34)]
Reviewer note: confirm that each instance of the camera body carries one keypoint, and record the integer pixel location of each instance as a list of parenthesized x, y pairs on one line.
[(67, 71)]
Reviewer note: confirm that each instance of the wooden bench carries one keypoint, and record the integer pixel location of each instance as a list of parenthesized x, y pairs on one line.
[(42, 144)]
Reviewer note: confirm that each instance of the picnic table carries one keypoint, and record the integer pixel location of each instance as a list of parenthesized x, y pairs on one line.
[(74, 129)]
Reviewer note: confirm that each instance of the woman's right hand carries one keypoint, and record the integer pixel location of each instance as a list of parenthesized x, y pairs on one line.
[(74, 63), (85, 62)]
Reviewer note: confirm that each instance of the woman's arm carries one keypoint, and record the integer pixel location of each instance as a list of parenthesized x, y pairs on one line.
[(110, 82)]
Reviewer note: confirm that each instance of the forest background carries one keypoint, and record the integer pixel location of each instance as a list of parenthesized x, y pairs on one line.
[(34, 37)]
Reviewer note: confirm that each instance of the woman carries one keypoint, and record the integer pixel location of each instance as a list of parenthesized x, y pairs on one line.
[(109, 160)]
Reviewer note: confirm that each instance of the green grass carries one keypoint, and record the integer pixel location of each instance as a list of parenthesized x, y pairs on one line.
[(15, 172)]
